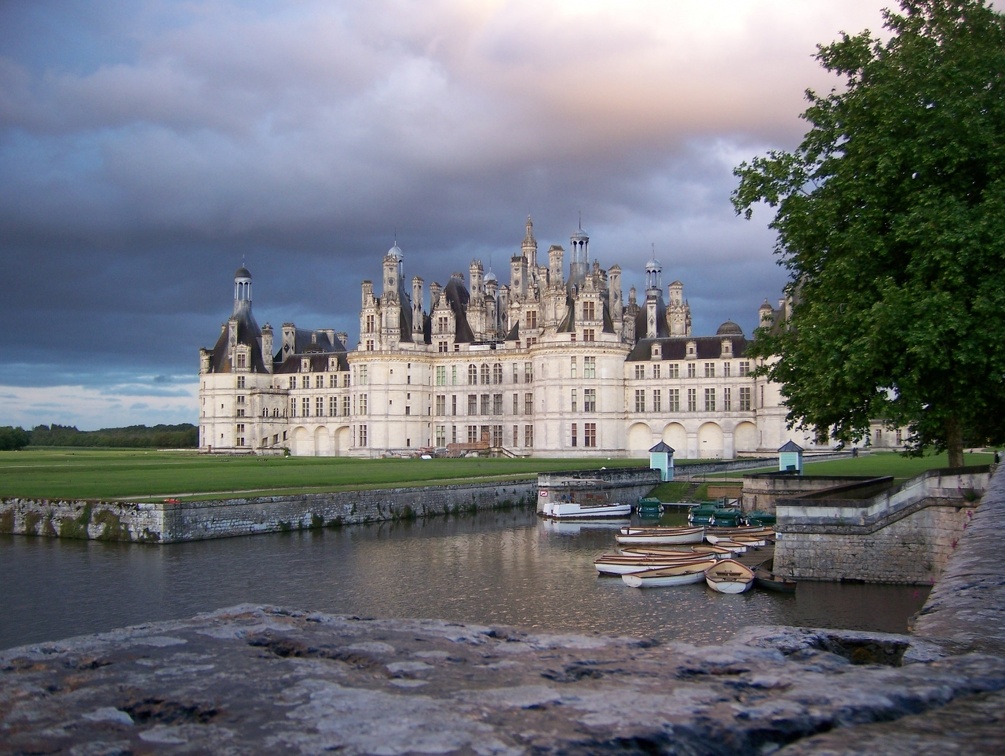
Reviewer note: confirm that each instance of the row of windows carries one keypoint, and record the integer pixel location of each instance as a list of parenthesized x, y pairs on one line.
[(673, 403), (489, 434), (672, 370)]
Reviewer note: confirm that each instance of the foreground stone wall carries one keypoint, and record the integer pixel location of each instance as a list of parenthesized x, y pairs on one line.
[(269, 680), (171, 522)]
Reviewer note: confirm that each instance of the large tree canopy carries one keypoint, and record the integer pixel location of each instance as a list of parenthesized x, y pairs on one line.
[(890, 218)]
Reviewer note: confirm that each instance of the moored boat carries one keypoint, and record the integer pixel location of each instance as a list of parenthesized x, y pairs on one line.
[(619, 564), (765, 577), (681, 574), (699, 549), (661, 536), (574, 510), (729, 576)]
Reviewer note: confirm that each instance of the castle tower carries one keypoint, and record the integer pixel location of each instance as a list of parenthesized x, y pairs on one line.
[(579, 263), (678, 311), (242, 290), (653, 292), (614, 296), (417, 307)]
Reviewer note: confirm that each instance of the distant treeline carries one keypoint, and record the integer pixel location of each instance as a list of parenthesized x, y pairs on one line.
[(180, 436)]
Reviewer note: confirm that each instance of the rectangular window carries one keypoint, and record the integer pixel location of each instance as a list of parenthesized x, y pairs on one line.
[(319, 406), (727, 399), (528, 404), (590, 434), (363, 375), (744, 367), (453, 404), (710, 370), (485, 404), (441, 435), (572, 367), (497, 373), (497, 405), (240, 398), (240, 381), (657, 401), (640, 400), (589, 367), (305, 406), (516, 404), (640, 371), (319, 381), (726, 369), (710, 400), (589, 313), (745, 398), (485, 375), (673, 370), (516, 373), (531, 318), (497, 435), (472, 434), (443, 324), (362, 435), (441, 375), (528, 372), (346, 408), (472, 375), (589, 400), (363, 401), (656, 372), (240, 411), (472, 404), (692, 400), (573, 402), (332, 406), (408, 410), (242, 360), (528, 435), (572, 435), (453, 375), (441, 405), (371, 324), (589, 334), (673, 400), (293, 381), (690, 370), (293, 407)]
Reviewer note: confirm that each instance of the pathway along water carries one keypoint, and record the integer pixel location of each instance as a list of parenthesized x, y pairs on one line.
[(492, 568)]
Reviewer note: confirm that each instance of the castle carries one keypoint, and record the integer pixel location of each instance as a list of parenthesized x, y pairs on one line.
[(550, 365)]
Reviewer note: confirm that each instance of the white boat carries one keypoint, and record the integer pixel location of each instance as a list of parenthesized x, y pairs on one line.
[(574, 510), (681, 574), (661, 536), (695, 549), (729, 576), (618, 564)]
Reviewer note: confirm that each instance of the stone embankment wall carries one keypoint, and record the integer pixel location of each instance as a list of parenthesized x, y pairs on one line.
[(899, 536), (625, 484), (170, 522)]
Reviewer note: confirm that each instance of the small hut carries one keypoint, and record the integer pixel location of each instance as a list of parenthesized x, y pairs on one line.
[(661, 458), (790, 458)]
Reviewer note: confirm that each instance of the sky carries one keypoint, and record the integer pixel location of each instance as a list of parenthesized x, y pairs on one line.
[(149, 148)]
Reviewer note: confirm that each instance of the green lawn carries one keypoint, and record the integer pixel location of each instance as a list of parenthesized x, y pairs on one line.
[(153, 475)]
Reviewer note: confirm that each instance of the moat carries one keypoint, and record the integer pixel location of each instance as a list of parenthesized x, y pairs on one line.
[(495, 567)]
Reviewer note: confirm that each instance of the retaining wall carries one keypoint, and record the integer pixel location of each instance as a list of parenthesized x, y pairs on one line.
[(166, 522), (905, 535)]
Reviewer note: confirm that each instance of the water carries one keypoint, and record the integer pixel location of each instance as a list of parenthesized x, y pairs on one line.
[(492, 568)]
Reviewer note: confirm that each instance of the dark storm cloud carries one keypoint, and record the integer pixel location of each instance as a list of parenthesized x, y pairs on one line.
[(148, 149)]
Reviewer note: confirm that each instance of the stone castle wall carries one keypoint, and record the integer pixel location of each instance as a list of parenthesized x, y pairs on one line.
[(170, 522)]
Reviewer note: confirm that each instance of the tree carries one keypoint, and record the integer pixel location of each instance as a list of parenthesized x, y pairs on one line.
[(12, 439), (890, 218)]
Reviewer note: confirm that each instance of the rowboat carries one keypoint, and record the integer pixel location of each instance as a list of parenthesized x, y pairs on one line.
[(619, 564), (764, 577), (681, 574), (698, 549), (732, 546), (729, 576), (661, 536)]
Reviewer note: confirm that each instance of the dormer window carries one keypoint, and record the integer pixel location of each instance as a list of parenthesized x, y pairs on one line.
[(305, 365), (656, 352)]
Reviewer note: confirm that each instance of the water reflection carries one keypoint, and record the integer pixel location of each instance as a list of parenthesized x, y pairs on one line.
[(494, 568)]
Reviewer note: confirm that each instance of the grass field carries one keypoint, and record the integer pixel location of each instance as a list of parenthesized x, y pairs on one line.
[(154, 475)]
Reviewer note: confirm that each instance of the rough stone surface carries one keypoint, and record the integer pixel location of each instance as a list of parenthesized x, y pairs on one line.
[(261, 679)]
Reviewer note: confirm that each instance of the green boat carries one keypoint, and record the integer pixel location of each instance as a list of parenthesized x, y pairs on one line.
[(759, 518), (649, 507)]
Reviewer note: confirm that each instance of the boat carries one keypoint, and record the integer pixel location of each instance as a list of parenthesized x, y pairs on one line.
[(661, 536), (698, 549), (760, 517), (681, 574), (765, 577), (729, 576), (579, 501), (619, 564), (649, 508)]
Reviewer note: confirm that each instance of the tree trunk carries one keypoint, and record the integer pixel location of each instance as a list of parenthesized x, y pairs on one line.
[(954, 441)]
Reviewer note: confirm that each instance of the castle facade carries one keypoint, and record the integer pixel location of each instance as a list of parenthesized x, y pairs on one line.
[(555, 363)]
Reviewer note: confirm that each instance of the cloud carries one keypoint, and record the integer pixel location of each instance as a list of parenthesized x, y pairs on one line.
[(148, 149)]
